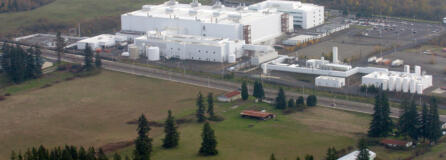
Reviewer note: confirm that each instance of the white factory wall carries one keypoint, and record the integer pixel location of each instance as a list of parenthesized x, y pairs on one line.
[(131, 22), (265, 28), (210, 51), (398, 81)]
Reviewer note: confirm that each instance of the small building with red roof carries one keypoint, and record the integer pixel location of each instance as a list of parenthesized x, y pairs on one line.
[(230, 96), (395, 143), (257, 114)]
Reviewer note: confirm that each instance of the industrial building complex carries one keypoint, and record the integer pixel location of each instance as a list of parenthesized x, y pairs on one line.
[(305, 15)]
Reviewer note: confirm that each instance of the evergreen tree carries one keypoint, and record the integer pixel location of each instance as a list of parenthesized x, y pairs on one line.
[(210, 100), (98, 60), (300, 101), (311, 100), (309, 157), (272, 157), (82, 153), (363, 151), (244, 93), (387, 123), (171, 134), (200, 108), (101, 155), (425, 120), (281, 99), (88, 58), (434, 122), (143, 144), (291, 103), (258, 91), (38, 62), (60, 43), (13, 156), (116, 156), (381, 124), (209, 143), (91, 154), (331, 154), (297, 158), (6, 58), (29, 64), (408, 122)]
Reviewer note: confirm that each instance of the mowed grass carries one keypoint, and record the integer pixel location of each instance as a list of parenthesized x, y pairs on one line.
[(6, 86), (90, 111), (288, 136), (72, 12)]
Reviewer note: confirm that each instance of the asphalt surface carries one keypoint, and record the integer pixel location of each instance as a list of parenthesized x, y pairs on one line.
[(218, 84)]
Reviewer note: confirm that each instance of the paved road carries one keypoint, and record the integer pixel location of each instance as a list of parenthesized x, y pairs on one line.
[(217, 84)]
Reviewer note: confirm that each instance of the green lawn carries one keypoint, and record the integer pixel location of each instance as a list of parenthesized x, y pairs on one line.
[(46, 79), (288, 136)]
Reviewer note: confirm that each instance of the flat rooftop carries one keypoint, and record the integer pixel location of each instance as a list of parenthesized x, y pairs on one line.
[(216, 13)]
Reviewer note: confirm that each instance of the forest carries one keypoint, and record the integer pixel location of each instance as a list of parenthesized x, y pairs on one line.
[(21, 5), (419, 9)]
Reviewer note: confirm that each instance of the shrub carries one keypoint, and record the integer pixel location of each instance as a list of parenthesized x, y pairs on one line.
[(311, 100)]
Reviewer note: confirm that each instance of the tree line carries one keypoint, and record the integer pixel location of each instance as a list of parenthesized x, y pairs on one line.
[(21, 5), (410, 124), (20, 64), (423, 9)]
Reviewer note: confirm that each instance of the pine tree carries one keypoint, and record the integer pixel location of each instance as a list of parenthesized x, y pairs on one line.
[(258, 91), (82, 153), (91, 154), (210, 110), (6, 58), (425, 120), (38, 62), (281, 99), (171, 134), (291, 103), (331, 154), (311, 100), (209, 143), (98, 60), (375, 124), (143, 144), (297, 158), (413, 123), (88, 58), (29, 64), (272, 157), (387, 124), (101, 155), (363, 151), (300, 101), (60, 43), (116, 156), (244, 93), (200, 108), (309, 157), (13, 156), (434, 122)]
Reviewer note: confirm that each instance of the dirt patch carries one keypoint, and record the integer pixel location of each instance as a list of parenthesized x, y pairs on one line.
[(112, 147)]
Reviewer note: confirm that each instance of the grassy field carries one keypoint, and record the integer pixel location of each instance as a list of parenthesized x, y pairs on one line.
[(71, 12), (7, 87), (288, 136), (88, 111)]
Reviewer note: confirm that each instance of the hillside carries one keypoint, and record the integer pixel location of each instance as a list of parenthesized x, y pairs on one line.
[(21, 5)]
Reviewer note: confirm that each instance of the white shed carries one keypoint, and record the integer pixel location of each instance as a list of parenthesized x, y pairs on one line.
[(327, 81)]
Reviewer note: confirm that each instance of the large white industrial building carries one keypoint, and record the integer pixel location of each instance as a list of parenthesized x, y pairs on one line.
[(305, 15), (97, 42), (190, 47), (209, 21)]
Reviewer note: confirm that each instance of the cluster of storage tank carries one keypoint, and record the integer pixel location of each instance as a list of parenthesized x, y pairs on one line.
[(152, 53), (404, 81)]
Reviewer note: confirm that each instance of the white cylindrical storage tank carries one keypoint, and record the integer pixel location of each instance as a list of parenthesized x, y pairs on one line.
[(335, 54), (231, 58), (418, 70), (405, 86), (412, 86), (384, 85), (391, 84), (265, 69), (406, 69), (153, 53), (398, 84), (419, 88), (133, 51)]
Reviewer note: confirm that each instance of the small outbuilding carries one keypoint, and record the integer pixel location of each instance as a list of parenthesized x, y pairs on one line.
[(395, 143), (230, 96), (257, 114)]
